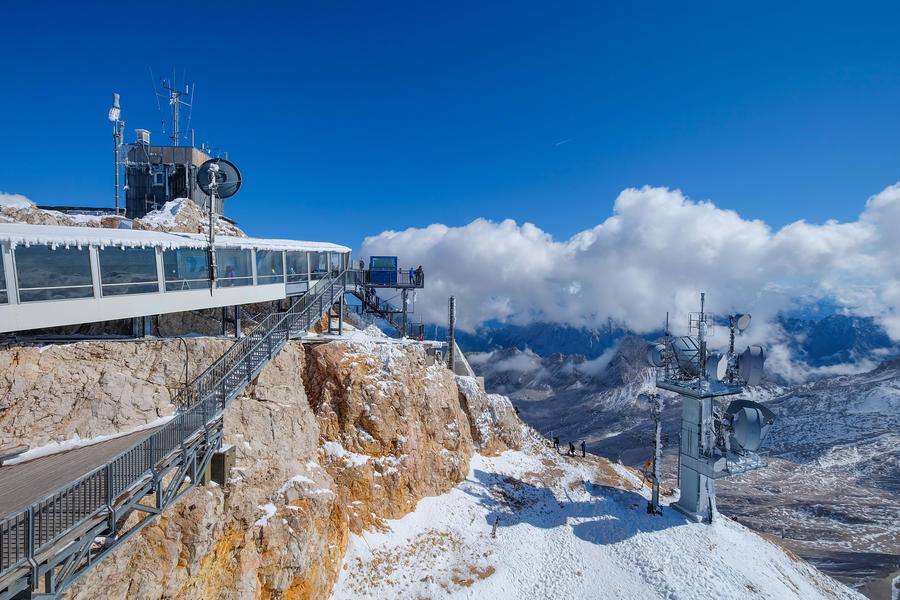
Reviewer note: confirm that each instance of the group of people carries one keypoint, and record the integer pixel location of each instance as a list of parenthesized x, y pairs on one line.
[(417, 275), (571, 451)]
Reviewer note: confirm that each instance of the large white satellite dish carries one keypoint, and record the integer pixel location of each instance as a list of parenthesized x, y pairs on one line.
[(750, 364)]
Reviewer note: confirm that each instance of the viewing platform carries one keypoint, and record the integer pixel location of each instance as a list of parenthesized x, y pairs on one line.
[(53, 276)]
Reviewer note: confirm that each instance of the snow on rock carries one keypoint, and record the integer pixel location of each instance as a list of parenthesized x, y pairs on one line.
[(183, 215), (492, 419), (14, 201), (566, 528), (269, 511)]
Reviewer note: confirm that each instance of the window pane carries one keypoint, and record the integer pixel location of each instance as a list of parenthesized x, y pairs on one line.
[(186, 269), (296, 266), (234, 267), (128, 271), (318, 264), (384, 262), (46, 274), (268, 267), (3, 295)]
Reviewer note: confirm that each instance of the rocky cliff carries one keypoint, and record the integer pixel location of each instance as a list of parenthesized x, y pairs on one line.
[(330, 439)]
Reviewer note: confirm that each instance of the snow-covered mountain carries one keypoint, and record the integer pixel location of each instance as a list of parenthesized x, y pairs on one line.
[(803, 348), (540, 525), (833, 484)]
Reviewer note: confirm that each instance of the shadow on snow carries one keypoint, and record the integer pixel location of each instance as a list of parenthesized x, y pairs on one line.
[(611, 514)]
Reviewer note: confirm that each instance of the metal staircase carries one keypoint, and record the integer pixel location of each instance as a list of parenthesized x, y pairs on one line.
[(374, 305), (49, 545)]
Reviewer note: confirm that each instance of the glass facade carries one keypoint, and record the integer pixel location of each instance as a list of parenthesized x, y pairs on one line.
[(47, 274), (269, 267), (318, 264), (186, 269), (297, 267), (234, 267), (128, 271), (336, 266)]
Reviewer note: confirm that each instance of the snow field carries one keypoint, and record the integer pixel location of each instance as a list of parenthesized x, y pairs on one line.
[(566, 528)]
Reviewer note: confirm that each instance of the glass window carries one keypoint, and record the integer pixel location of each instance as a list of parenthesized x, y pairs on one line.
[(4, 296), (384, 262), (186, 269), (46, 274), (269, 268), (318, 264), (336, 263), (128, 271), (296, 267), (234, 267)]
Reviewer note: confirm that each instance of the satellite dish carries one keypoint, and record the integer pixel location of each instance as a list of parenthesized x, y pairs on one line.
[(656, 355), (750, 364), (750, 424), (228, 178), (687, 354), (717, 366), (742, 322)]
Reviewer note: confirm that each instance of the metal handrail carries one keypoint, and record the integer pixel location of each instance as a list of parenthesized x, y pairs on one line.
[(27, 532)]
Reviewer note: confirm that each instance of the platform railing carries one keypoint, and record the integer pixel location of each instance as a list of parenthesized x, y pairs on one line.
[(27, 533), (401, 278)]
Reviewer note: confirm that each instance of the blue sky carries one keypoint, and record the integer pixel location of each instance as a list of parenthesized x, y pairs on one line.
[(351, 118)]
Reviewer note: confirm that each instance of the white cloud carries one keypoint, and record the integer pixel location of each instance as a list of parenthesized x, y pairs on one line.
[(655, 254)]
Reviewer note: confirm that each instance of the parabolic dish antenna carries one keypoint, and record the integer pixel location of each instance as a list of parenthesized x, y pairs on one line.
[(717, 366), (750, 364), (750, 424), (656, 355), (742, 322), (687, 354), (228, 178)]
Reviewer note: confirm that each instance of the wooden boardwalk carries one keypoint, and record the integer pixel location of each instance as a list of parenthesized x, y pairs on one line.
[(27, 482)]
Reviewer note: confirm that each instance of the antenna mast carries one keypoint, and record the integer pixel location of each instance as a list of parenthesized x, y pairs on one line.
[(175, 100)]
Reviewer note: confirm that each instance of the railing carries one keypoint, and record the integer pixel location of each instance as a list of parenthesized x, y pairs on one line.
[(390, 278), (28, 532)]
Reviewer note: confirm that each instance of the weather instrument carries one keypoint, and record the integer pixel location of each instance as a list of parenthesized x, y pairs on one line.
[(718, 438)]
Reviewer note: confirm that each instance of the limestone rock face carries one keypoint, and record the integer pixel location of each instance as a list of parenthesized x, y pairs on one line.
[(275, 531), (88, 389), (392, 429), (329, 439), (495, 427)]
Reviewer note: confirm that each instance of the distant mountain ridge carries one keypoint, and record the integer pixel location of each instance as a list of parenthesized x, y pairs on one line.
[(833, 340)]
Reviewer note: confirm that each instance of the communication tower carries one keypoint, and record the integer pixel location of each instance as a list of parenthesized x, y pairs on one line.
[(718, 438)]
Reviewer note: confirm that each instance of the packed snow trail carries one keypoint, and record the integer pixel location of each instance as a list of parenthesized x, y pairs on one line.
[(567, 528)]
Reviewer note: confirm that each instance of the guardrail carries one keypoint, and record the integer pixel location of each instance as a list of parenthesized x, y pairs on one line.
[(407, 278), (27, 533)]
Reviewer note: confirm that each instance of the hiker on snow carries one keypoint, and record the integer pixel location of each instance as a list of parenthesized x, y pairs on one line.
[(571, 449), (583, 453)]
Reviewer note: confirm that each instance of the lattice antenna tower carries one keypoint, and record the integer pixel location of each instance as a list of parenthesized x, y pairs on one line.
[(177, 99)]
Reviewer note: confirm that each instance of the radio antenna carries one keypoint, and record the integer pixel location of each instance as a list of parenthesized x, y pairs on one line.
[(176, 100)]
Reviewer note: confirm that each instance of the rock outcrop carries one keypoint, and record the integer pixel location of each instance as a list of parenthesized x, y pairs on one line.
[(329, 439), (88, 389)]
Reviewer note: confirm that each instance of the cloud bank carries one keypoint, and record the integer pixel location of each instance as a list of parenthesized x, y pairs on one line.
[(655, 254)]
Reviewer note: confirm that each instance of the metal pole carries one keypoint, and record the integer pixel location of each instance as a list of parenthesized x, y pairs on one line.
[(451, 343), (213, 181), (403, 295), (116, 160)]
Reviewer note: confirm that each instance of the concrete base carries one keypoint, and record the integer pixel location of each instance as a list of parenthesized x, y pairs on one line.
[(693, 516)]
